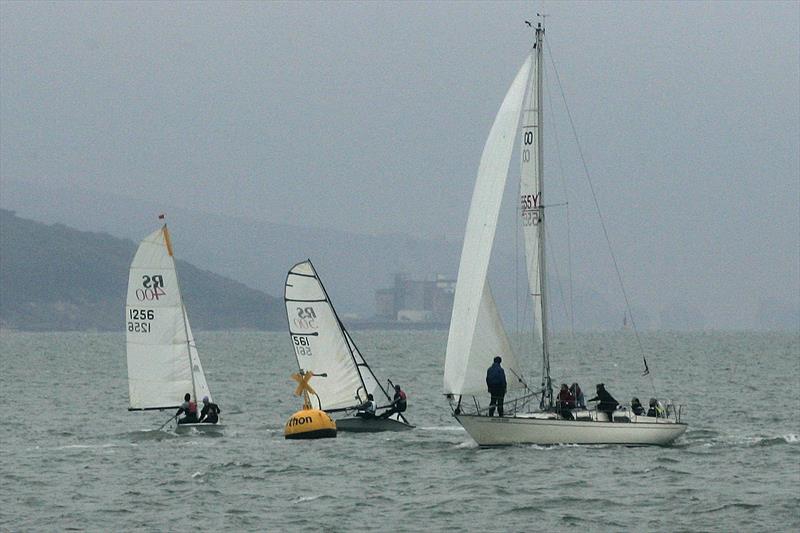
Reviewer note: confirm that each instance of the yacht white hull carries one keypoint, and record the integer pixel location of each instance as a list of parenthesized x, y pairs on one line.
[(496, 431)]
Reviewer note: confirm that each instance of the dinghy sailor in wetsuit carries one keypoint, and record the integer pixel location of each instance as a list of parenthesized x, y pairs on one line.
[(367, 409), (189, 409), (210, 412), (398, 405)]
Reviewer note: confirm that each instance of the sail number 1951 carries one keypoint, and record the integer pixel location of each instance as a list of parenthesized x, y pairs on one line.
[(301, 345)]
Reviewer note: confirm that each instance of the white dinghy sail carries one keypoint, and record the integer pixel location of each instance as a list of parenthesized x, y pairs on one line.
[(163, 362), (476, 332), (323, 346)]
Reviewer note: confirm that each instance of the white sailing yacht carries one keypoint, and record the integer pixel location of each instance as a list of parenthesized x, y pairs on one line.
[(476, 332), (163, 363), (323, 347)]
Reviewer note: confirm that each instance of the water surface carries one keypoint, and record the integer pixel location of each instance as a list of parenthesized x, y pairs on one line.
[(75, 458)]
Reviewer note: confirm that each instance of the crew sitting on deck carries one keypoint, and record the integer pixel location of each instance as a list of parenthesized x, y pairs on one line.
[(607, 404), (637, 407), (566, 401), (210, 412), (577, 393), (367, 409), (656, 409), (398, 403), (189, 409)]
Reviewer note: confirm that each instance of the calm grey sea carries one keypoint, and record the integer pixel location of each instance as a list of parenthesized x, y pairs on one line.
[(74, 458)]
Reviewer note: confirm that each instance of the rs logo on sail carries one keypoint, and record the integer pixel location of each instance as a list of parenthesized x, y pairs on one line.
[(153, 288), (153, 281)]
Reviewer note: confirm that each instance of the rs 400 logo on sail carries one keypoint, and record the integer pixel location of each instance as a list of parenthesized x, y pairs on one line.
[(152, 288)]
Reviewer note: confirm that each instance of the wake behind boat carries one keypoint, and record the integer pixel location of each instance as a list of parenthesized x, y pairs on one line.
[(163, 362), (323, 346), (476, 332)]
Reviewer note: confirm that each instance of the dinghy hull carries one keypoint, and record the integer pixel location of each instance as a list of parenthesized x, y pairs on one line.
[(371, 425), (496, 431), (203, 428)]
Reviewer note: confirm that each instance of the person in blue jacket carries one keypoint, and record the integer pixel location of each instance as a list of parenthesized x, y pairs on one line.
[(496, 383)]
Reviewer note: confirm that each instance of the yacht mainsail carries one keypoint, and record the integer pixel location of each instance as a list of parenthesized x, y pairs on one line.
[(163, 363)]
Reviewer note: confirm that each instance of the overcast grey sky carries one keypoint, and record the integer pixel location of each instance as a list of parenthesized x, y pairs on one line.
[(371, 117)]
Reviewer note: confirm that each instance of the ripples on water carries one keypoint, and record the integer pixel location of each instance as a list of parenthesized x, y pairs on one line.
[(75, 459)]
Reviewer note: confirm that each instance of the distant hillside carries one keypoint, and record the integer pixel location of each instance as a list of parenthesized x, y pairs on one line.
[(259, 253), (252, 251), (57, 278)]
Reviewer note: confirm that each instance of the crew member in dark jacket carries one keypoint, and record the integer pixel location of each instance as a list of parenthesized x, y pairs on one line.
[(496, 383), (637, 407), (210, 412), (566, 401), (607, 403)]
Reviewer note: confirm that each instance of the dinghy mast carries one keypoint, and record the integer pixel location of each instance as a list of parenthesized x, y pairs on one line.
[(168, 242)]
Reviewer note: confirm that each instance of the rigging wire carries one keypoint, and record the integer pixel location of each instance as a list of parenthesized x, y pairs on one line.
[(563, 180), (554, 262), (602, 221), (517, 230)]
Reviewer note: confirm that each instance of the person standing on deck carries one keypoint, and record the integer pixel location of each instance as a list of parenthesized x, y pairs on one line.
[(496, 383)]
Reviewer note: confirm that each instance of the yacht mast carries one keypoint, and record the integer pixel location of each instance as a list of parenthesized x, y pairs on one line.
[(547, 386)]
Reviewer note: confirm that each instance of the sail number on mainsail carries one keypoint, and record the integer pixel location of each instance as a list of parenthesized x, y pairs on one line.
[(140, 320), (152, 289)]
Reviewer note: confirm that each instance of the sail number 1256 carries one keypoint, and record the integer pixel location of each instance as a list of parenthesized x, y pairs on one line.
[(139, 320)]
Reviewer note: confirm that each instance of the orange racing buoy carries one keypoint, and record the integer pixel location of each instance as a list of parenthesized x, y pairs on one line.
[(308, 423)]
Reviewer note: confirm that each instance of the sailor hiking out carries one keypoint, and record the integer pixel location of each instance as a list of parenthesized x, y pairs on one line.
[(399, 403)]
